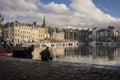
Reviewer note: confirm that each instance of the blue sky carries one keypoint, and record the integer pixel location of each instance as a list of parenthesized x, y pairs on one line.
[(64, 13), (67, 2), (111, 7)]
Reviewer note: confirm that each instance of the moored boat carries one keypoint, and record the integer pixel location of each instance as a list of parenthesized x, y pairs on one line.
[(6, 52), (23, 53), (105, 43)]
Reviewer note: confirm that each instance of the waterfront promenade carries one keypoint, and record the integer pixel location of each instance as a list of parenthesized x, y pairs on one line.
[(26, 69)]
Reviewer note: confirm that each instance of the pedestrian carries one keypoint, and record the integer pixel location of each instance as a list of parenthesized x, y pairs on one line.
[(46, 55)]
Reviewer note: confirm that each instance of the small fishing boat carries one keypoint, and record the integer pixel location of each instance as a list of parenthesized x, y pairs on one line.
[(6, 52), (23, 53), (17, 53)]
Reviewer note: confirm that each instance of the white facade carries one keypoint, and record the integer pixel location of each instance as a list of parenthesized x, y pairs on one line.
[(58, 36), (94, 31), (25, 32)]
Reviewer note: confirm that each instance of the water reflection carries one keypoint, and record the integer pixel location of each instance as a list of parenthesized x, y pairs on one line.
[(104, 55)]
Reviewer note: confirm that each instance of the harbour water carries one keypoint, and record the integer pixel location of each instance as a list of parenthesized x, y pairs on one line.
[(100, 55)]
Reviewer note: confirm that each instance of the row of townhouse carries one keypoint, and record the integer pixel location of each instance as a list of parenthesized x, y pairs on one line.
[(19, 32), (99, 34), (24, 32)]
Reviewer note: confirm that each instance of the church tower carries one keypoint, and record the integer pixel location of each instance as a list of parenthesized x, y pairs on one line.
[(44, 23)]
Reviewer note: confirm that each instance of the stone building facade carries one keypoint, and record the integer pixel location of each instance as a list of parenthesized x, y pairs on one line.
[(19, 32)]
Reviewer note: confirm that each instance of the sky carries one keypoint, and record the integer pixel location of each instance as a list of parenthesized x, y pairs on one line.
[(63, 13)]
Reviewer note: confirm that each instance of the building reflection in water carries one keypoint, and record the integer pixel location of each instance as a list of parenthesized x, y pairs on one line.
[(104, 55)]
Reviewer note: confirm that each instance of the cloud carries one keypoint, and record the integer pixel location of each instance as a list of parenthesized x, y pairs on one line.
[(91, 12), (55, 8), (80, 13), (16, 7)]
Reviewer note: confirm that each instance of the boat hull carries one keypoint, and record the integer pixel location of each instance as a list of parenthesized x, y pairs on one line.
[(22, 54), (6, 52)]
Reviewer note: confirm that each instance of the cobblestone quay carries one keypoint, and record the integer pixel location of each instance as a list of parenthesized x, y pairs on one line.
[(25, 69)]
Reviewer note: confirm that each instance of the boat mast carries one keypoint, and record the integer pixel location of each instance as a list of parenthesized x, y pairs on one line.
[(8, 27)]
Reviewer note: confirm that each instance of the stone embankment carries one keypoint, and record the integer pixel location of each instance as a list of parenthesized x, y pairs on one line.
[(25, 69)]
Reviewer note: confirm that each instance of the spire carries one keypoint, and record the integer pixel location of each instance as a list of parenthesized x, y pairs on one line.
[(44, 24)]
